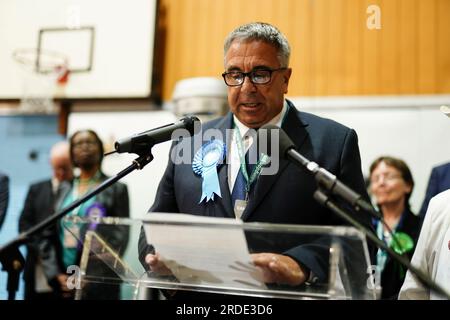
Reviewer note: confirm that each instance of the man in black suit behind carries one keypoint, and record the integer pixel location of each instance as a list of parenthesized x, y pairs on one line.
[(39, 205), (439, 181), (257, 74)]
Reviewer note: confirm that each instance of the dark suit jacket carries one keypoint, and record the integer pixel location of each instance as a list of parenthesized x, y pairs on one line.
[(116, 202), (393, 274), (439, 181), (286, 197), (39, 205), (4, 197)]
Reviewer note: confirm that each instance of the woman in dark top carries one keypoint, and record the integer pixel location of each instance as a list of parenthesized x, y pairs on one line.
[(391, 184), (86, 150)]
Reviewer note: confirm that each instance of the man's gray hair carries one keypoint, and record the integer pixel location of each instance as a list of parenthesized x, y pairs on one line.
[(264, 32)]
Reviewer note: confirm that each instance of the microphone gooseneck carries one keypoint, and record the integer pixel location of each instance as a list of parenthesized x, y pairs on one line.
[(142, 142)]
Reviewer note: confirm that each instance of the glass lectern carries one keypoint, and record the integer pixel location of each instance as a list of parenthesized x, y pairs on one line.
[(214, 255)]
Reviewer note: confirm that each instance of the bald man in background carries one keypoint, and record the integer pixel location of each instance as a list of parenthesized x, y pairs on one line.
[(39, 205)]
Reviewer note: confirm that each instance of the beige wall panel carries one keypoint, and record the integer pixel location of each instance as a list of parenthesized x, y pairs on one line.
[(333, 51)]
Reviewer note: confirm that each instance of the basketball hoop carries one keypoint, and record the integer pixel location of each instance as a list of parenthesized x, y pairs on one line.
[(45, 74)]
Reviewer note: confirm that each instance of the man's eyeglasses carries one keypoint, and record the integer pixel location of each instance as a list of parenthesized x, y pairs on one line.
[(260, 76)]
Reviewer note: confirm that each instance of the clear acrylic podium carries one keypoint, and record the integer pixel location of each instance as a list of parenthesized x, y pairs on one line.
[(108, 270)]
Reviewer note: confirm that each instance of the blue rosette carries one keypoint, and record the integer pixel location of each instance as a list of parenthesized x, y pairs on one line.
[(205, 164)]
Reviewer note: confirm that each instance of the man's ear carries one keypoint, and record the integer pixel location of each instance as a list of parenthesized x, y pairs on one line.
[(286, 76)]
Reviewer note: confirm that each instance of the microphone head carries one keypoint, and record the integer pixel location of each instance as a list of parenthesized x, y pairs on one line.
[(189, 123), (275, 137)]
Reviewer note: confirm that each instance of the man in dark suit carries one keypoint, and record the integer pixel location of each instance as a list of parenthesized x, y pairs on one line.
[(39, 205), (4, 197), (439, 182), (257, 74)]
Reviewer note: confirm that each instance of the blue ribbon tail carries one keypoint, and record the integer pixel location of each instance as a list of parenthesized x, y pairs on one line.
[(210, 185), (203, 197)]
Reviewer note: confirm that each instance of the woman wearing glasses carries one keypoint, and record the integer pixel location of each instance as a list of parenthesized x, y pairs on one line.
[(391, 184)]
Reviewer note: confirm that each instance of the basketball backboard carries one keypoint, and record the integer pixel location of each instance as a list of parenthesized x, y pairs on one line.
[(108, 45)]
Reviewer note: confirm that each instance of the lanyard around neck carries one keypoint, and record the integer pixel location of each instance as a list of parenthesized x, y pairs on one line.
[(257, 170), (261, 162)]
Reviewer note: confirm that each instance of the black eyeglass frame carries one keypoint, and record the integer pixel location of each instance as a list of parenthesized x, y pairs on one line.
[(250, 76)]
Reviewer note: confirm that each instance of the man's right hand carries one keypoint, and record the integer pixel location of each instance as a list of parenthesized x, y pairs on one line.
[(156, 265)]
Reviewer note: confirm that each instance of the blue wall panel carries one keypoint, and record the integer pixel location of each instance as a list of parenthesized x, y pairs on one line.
[(25, 142)]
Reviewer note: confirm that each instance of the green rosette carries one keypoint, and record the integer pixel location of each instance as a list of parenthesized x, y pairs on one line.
[(402, 243)]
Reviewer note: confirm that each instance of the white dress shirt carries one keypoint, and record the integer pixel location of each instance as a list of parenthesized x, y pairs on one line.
[(247, 141)]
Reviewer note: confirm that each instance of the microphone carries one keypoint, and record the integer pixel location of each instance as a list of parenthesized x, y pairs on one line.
[(324, 178), (144, 141), (329, 181)]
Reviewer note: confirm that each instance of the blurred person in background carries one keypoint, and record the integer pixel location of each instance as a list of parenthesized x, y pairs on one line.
[(391, 185), (61, 247), (39, 205)]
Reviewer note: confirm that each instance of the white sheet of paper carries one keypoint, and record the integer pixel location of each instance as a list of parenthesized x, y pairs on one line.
[(204, 254)]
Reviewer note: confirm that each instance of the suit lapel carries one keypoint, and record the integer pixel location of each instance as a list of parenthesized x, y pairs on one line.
[(295, 129), (49, 196)]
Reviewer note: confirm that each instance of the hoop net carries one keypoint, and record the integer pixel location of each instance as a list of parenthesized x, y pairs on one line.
[(44, 73)]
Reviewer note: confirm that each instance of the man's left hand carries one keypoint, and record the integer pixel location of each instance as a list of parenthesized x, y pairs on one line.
[(277, 268)]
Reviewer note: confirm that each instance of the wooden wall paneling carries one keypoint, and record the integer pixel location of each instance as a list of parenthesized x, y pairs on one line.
[(336, 68), (216, 47), (355, 23), (426, 55), (172, 49), (408, 46), (282, 15), (188, 36), (388, 54), (300, 38), (443, 46), (371, 53), (333, 51), (319, 43)]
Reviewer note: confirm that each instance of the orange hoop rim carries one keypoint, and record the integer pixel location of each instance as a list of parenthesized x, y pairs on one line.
[(40, 61)]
